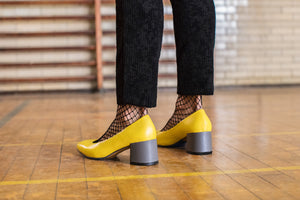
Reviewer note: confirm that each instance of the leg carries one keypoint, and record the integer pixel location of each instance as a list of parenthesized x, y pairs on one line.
[(139, 38), (139, 29), (194, 26)]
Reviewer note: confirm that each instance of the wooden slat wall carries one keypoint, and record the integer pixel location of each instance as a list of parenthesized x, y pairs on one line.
[(23, 80)]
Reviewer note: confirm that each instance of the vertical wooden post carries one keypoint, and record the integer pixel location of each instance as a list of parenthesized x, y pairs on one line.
[(98, 36)]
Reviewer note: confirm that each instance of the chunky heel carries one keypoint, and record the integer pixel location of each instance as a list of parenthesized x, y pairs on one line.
[(199, 143), (144, 153)]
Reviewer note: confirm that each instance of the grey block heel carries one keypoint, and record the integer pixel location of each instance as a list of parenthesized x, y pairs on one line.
[(199, 143), (144, 153)]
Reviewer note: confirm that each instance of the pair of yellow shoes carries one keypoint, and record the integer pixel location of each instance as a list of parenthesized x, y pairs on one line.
[(142, 138)]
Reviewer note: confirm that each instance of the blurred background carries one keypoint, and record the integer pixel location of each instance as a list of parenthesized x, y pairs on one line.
[(52, 45)]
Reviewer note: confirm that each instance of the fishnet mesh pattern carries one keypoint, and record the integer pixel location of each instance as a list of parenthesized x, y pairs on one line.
[(185, 105), (126, 115)]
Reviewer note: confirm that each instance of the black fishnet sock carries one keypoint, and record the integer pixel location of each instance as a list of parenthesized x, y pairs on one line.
[(185, 105), (126, 115)]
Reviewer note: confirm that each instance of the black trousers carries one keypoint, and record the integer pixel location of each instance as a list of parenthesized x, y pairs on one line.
[(139, 31)]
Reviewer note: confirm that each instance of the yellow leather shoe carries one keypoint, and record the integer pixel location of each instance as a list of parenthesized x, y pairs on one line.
[(194, 132), (140, 137)]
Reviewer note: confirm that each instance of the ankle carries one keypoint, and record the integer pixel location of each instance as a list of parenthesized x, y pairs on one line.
[(130, 113), (125, 116), (189, 103)]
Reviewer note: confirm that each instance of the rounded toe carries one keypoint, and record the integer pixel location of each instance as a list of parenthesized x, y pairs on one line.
[(84, 146)]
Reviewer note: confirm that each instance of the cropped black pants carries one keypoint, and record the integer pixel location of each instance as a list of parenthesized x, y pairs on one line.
[(139, 31)]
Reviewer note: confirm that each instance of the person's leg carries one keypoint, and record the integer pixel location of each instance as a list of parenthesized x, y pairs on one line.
[(139, 31), (139, 40), (194, 27)]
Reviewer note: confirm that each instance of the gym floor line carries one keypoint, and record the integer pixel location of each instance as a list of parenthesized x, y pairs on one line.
[(113, 178)]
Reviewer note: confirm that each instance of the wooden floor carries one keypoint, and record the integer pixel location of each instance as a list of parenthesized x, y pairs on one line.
[(256, 149)]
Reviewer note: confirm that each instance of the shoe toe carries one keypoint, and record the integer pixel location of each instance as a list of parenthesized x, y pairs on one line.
[(85, 145)]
